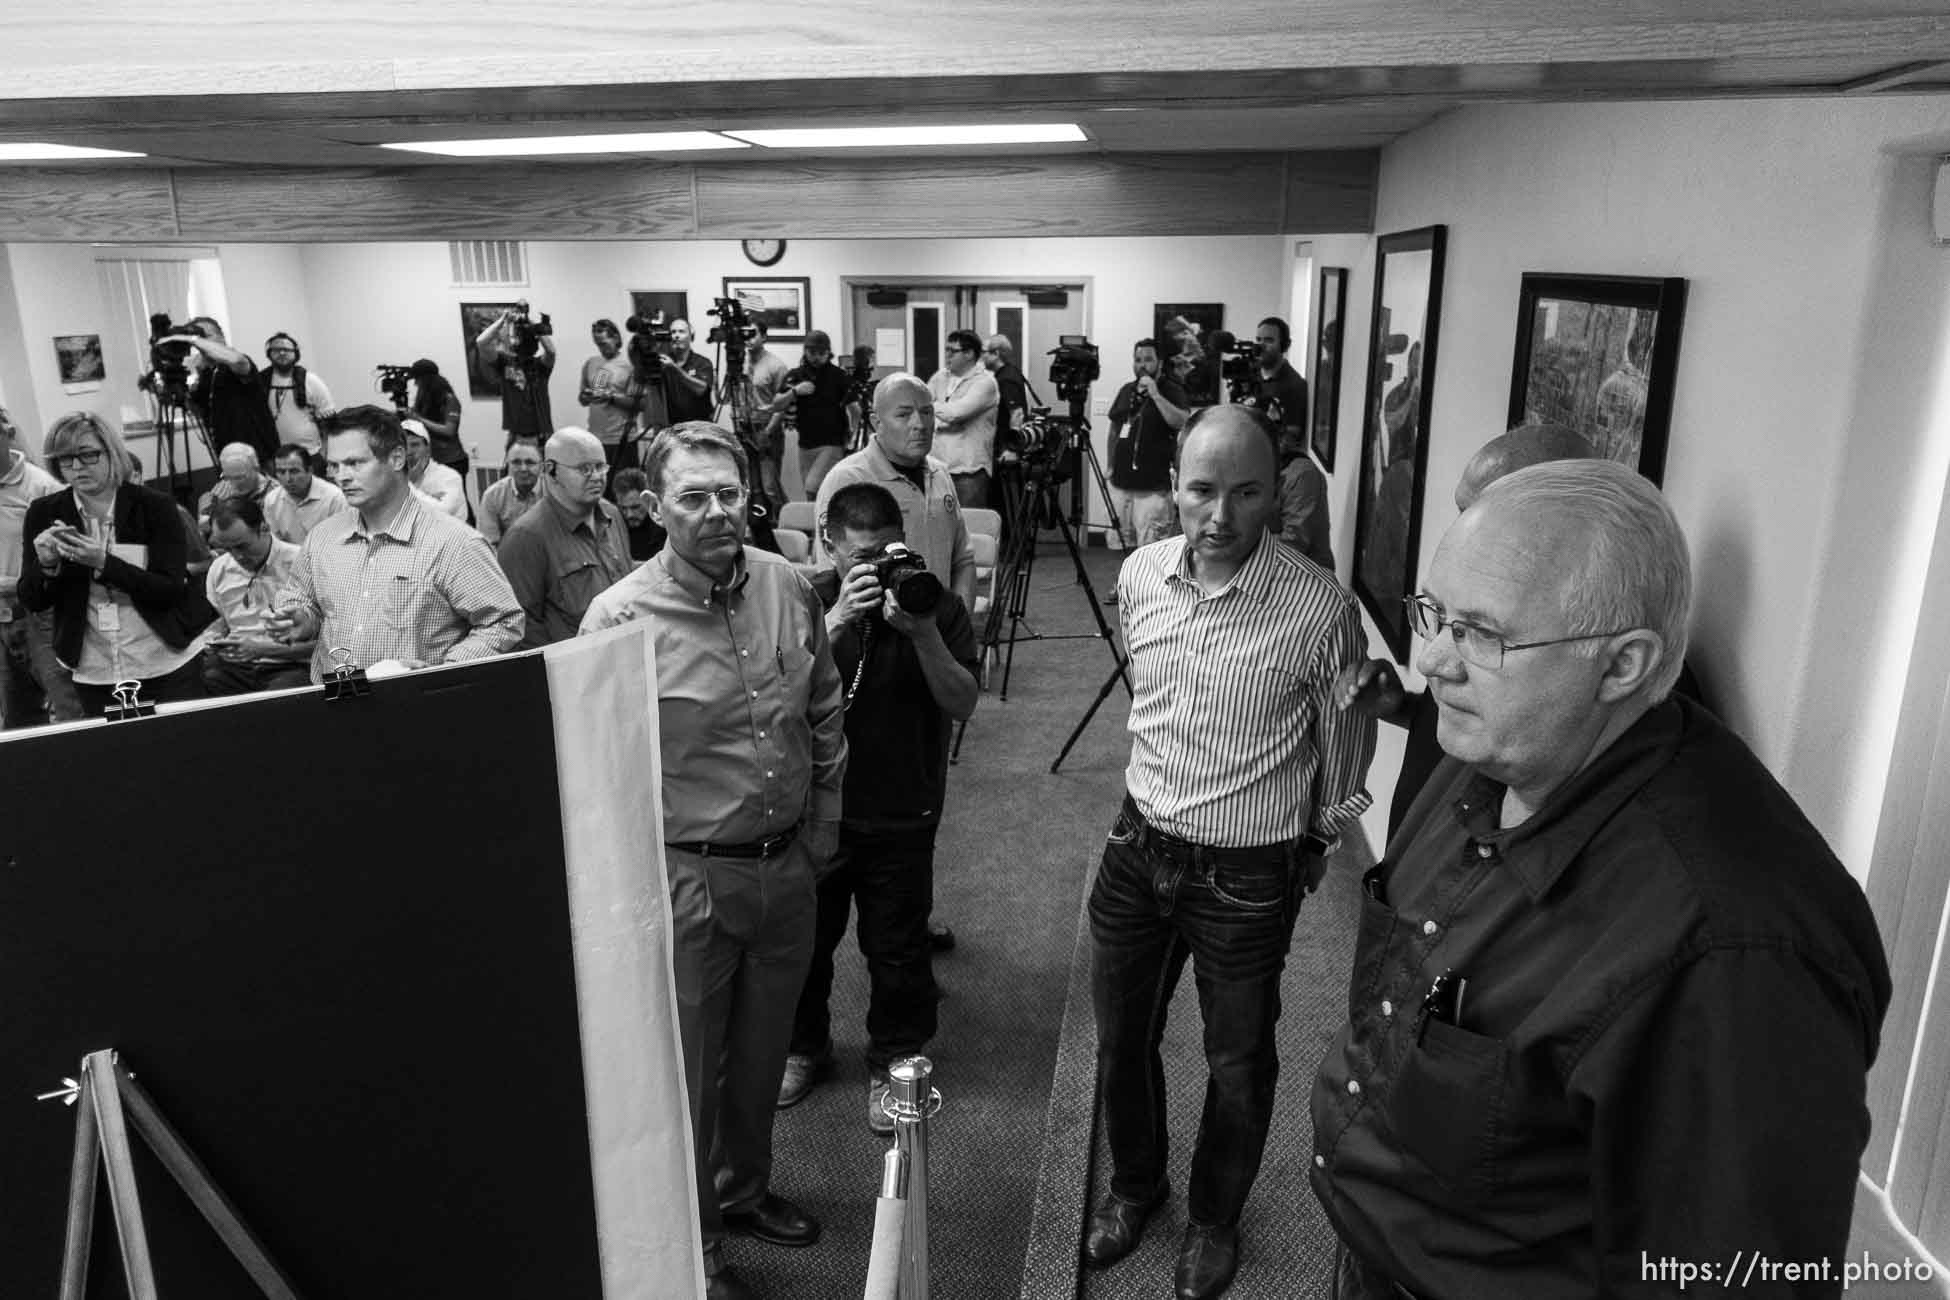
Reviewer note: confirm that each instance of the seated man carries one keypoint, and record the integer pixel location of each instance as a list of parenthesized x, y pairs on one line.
[(646, 535), (250, 569), (301, 498), (913, 675), (238, 477), (508, 499), (428, 476)]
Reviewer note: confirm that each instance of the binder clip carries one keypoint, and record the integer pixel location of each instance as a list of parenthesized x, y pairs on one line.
[(346, 680), (129, 703)]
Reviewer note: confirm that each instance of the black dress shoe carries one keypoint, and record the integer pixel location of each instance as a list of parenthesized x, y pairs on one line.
[(1116, 1224), (1207, 1259), (725, 1284), (775, 1220)]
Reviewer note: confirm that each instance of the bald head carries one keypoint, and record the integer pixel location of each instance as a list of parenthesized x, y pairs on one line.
[(1240, 424), (897, 387), (572, 446), (903, 419), (1522, 447), (577, 469)]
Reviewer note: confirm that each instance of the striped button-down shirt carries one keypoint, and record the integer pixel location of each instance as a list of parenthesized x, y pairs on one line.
[(748, 699), (424, 587), (1235, 740)]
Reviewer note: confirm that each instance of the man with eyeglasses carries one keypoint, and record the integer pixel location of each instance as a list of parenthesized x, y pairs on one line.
[(1241, 779), (395, 580), (512, 496), (34, 687), (754, 752), (297, 398), (571, 547), (1614, 998), (965, 402)]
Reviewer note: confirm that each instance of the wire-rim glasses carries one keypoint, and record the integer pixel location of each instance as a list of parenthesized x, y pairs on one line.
[(1479, 648)]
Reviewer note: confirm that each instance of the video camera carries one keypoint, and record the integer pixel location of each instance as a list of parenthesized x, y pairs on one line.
[(1074, 366), (859, 384), (734, 322), (1044, 442), (529, 331), (1238, 365), (169, 362), (392, 382), (904, 573), (649, 344)]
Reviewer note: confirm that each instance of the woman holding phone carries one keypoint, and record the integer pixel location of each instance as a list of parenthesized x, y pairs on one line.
[(109, 558)]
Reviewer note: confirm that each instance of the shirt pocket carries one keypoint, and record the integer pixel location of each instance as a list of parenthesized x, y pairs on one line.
[(405, 597), (578, 581), (1448, 1105)]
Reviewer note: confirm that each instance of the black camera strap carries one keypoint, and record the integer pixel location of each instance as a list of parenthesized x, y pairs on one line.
[(860, 669)]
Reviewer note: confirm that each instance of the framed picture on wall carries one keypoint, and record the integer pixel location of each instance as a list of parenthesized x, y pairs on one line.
[(483, 383), (1327, 363), (1599, 353), (1174, 322), (674, 304), (1395, 425), (79, 357), (784, 302)]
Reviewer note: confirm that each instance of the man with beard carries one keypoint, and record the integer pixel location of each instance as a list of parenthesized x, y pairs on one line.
[(297, 398)]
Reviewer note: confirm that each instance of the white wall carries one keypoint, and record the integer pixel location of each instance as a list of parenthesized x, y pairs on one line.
[(1775, 211)]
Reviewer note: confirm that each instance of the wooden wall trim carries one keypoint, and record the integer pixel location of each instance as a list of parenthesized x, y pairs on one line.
[(1069, 195)]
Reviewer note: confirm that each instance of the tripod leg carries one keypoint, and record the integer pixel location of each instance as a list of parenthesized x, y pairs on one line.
[(1104, 629), (1103, 693), (98, 1074), (81, 1199)]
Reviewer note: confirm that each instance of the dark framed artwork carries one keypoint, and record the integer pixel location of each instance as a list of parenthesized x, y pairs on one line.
[(80, 358), (1174, 322), (1395, 425), (675, 304), (1599, 353), (783, 302), (1327, 363), (483, 383)]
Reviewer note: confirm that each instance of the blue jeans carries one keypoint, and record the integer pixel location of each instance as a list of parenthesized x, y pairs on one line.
[(1231, 912)]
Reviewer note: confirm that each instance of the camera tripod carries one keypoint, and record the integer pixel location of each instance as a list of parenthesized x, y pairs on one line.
[(762, 517), (174, 421)]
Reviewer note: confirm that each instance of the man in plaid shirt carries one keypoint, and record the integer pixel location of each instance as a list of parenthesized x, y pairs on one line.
[(391, 580)]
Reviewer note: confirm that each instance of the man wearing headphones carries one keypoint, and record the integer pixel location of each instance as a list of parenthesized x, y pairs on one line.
[(297, 398), (1282, 393)]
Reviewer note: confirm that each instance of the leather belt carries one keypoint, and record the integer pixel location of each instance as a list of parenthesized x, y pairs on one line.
[(1184, 852), (766, 848)]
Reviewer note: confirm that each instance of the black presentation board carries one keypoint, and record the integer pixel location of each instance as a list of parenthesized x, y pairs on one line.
[(332, 942)]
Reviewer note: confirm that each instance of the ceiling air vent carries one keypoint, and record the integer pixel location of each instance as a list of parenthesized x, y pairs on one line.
[(480, 263)]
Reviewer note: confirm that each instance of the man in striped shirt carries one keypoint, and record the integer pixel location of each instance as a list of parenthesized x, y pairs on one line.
[(1242, 776), (394, 579)]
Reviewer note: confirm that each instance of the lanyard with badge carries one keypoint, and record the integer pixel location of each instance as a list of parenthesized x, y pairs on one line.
[(102, 610)]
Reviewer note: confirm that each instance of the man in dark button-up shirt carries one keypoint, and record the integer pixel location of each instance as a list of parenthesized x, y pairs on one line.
[(563, 553), (1613, 998), (754, 753)]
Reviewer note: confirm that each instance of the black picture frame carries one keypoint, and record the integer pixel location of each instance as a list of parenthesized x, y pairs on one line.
[(1330, 330), (675, 304), (1600, 354), (1402, 337), (785, 303)]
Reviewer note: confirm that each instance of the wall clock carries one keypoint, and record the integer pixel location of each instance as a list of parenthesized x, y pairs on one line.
[(764, 252)]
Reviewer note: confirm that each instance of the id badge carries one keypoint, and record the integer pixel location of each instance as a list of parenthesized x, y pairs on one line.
[(106, 616)]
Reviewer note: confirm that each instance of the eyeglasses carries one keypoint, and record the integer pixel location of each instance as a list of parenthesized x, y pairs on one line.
[(1477, 647), (728, 498), (91, 457), (592, 470)]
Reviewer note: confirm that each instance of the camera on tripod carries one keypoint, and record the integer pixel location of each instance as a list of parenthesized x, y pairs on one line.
[(1044, 442), (649, 345), (529, 331), (169, 361), (1238, 365), (392, 382), (902, 572), (859, 384), (1074, 366), (734, 322)]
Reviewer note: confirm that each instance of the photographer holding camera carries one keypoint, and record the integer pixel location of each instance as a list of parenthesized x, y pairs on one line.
[(522, 350), (907, 648), (613, 394), (816, 390), (223, 390)]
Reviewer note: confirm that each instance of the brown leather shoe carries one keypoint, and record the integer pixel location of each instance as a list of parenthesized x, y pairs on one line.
[(1116, 1224), (775, 1220), (1207, 1259)]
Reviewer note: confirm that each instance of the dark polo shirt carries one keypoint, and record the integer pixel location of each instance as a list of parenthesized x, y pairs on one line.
[(557, 570)]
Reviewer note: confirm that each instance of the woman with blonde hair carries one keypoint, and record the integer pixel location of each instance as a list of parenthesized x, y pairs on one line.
[(109, 558)]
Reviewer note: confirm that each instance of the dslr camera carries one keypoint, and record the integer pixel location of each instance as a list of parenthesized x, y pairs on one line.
[(529, 331), (902, 572), (392, 382), (649, 344)]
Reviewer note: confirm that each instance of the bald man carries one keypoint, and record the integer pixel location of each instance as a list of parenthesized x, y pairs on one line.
[(571, 546), (238, 478), (898, 458), (1374, 687)]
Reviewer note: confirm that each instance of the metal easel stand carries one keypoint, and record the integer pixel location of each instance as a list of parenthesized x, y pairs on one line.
[(107, 1101), (898, 1268)]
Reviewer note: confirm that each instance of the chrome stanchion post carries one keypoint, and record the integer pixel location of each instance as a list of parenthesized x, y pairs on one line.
[(912, 1102)]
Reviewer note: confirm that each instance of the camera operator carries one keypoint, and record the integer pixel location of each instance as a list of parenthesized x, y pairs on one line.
[(1144, 421), (295, 396), (765, 373), (613, 394), (436, 405), (913, 675), (688, 378), (816, 390), (224, 390), (524, 353), (1280, 392), (965, 400)]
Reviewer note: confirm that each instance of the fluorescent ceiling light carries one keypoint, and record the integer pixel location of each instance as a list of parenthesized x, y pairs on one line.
[(58, 152), (867, 137), (541, 145)]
